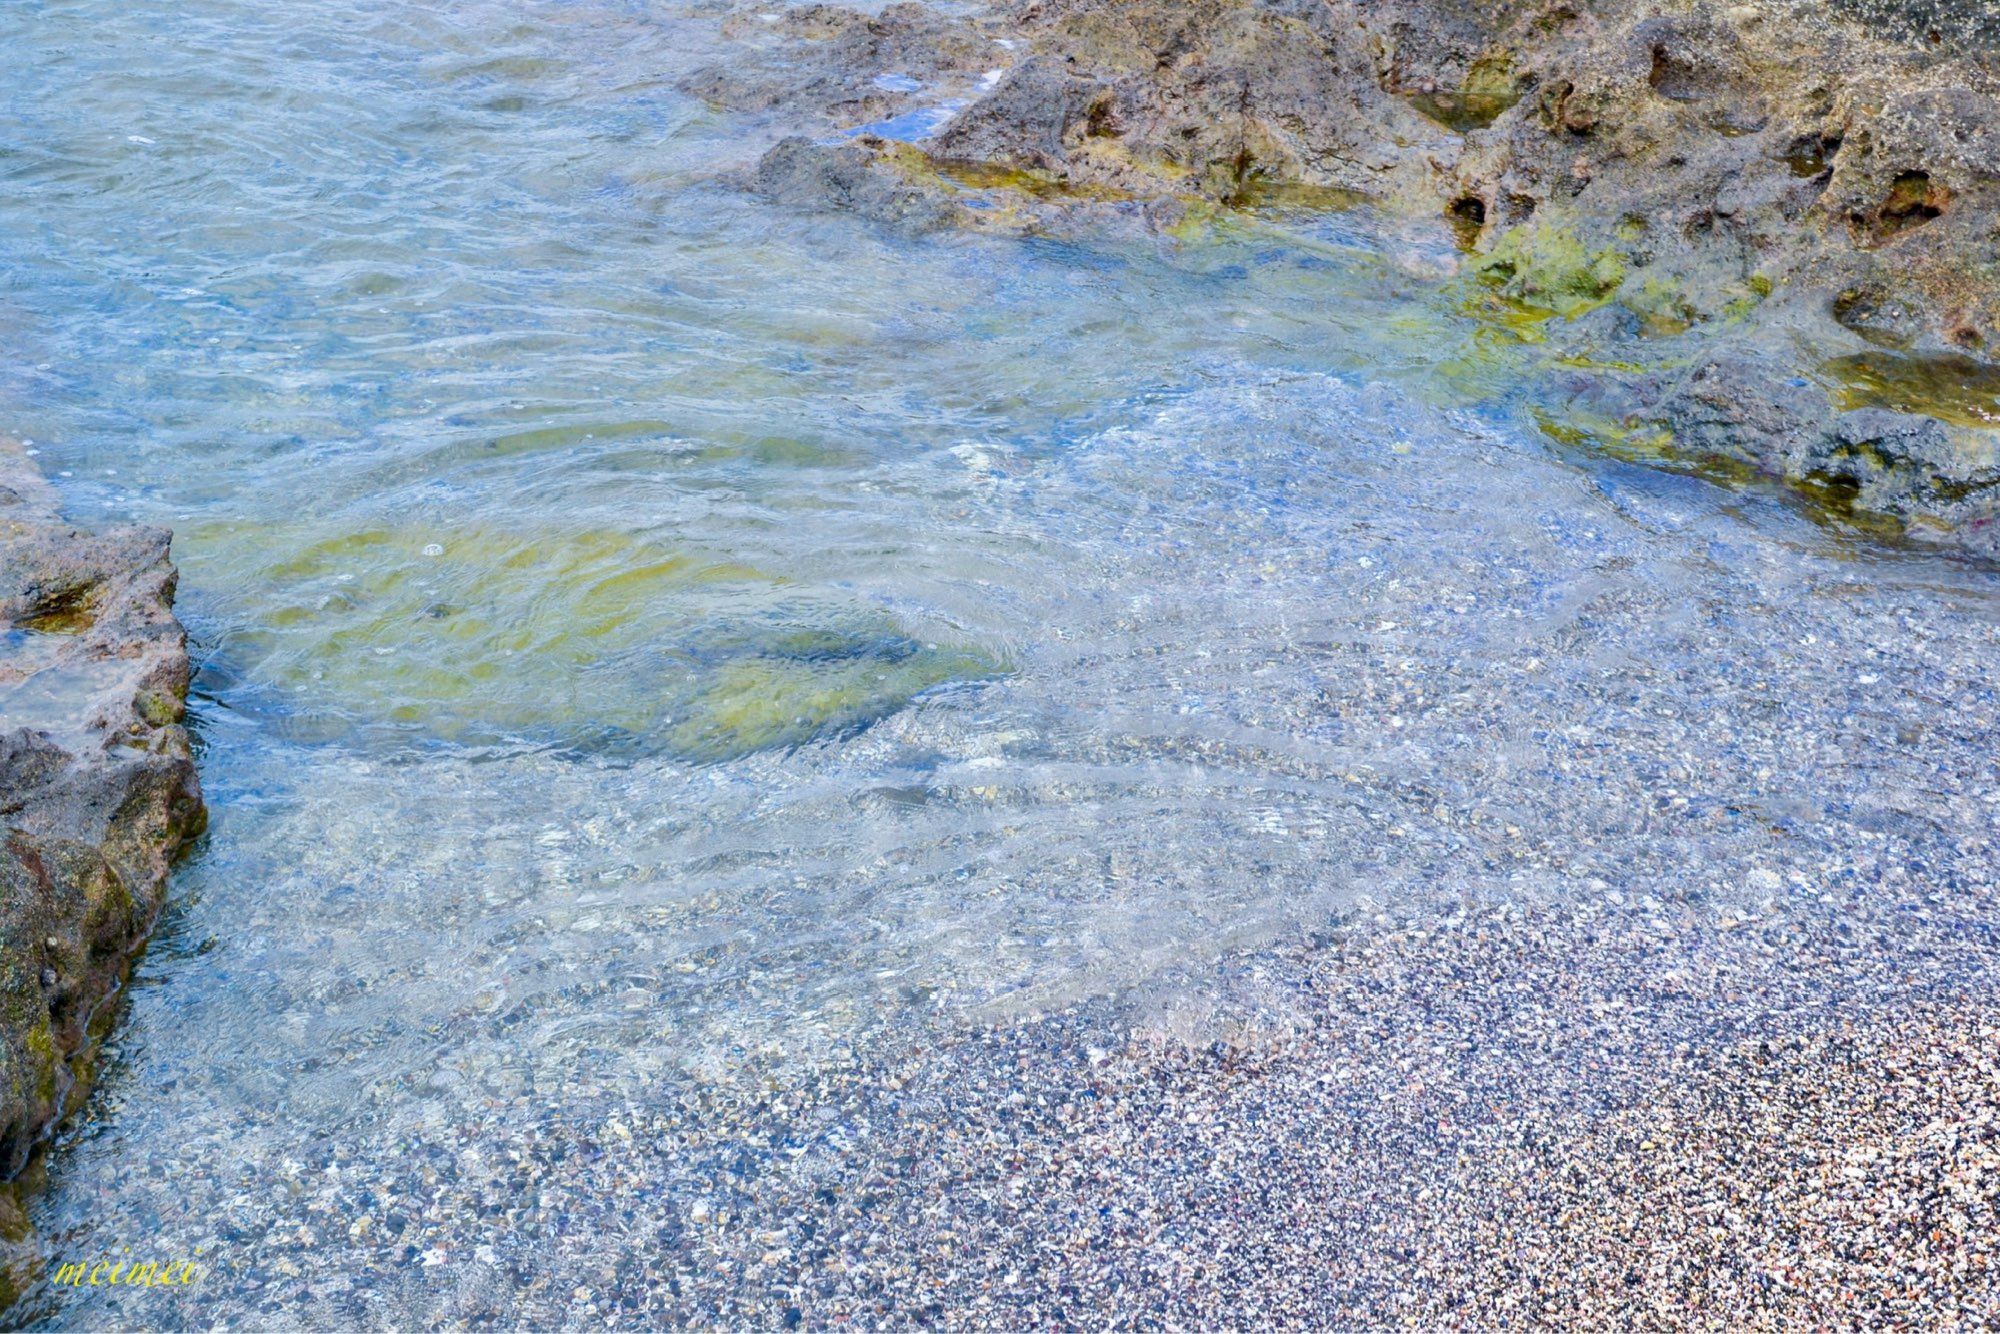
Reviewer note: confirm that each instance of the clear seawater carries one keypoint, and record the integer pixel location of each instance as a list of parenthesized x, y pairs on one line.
[(641, 629)]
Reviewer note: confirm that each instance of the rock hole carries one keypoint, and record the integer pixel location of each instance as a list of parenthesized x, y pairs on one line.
[(1243, 178), (1672, 79), (1811, 155), (68, 612), (1837, 495), (1468, 220), (1102, 120), (1913, 200), (1874, 313)]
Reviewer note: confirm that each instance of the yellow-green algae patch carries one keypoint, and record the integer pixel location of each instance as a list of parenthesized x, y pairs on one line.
[(1489, 90), (1952, 388), (1826, 500), (1262, 192), (1550, 268), (782, 695), (1649, 444), (590, 638), (1663, 309), (989, 197)]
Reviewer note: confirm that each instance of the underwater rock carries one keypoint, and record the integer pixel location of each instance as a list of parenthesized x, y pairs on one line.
[(1906, 467), (1889, 471), (853, 177), (98, 790), (1741, 408), (579, 640), (902, 187)]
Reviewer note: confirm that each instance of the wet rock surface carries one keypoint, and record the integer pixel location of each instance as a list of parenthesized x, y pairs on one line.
[(97, 781), (1741, 412), (1799, 183)]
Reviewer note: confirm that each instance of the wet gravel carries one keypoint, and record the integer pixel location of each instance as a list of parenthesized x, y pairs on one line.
[(1475, 1115)]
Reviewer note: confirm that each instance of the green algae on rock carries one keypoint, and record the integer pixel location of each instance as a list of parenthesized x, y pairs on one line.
[(798, 688), (1734, 415), (1550, 268)]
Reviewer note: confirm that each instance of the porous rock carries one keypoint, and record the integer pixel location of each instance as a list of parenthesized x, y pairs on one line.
[(1818, 176), (98, 791)]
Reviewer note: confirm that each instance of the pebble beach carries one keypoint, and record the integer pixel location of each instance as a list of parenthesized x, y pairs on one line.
[(804, 732)]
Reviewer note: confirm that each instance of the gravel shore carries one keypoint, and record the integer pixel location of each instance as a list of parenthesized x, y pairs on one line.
[(1510, 1118), (1845, 1177), (1502, 1116)]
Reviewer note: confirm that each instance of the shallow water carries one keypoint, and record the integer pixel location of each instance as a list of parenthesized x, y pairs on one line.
[(641, 630)]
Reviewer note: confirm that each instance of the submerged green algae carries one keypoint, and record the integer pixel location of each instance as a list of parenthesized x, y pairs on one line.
[(602, 640), (1645, 443), (1262, 193), (589, 639), (797, 688), (1551, 268), (1488, 91), (1952, 388)]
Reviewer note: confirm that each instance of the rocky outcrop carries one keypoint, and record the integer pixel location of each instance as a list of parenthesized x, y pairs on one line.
[(1810, 180), (98, 791), (1885, 470)]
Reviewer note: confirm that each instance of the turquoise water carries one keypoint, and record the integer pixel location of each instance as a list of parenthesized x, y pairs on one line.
[(642, 630)]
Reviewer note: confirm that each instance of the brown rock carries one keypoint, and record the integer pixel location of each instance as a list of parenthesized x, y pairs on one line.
[(98, 791)]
